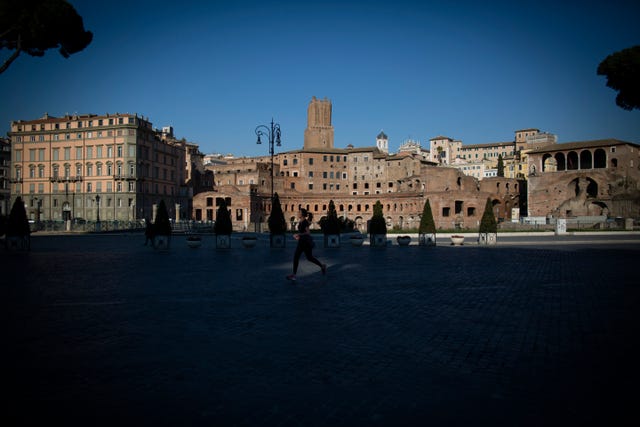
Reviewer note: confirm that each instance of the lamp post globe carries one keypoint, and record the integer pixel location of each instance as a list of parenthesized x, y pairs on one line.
[(273, 134)]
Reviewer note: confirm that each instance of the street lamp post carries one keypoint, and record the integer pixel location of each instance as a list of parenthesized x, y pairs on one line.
[(273, 135), (98, 212)]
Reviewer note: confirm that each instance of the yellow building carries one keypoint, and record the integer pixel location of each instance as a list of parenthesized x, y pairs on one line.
[(116, 166)]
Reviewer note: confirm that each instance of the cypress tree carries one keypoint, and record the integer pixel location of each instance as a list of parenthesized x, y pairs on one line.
[(162, 226), (427, 224), (488, 222), (223, 223), (18, 224), (500, 165), (377, 224), (277, 223)]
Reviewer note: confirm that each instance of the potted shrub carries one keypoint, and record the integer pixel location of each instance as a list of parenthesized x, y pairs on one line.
[(330, 226), (194, 241), (457, 239), (162, 228), (18, 233), (403, 240), (223, 226), (277, 224), (356, 239), (427, 228), (249, 241), (488, 232), (377, 227)]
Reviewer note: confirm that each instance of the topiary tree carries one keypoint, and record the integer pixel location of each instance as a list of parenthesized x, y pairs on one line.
[(488, 223), (17, 230), (330, 224), (18, 224), (223, 223), (162, 225), (427, 227), (427, 224), (377, 225), (277, 223)]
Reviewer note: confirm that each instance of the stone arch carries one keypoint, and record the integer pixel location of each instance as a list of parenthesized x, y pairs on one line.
[(572, 161), (585, 159), (548, 163), (390, 221), (561, 163), (599, 159)]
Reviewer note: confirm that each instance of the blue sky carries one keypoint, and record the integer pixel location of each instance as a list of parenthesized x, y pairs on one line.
[(474, 71)]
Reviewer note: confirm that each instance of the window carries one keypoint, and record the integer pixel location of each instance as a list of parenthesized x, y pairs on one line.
[(446, 211), (32, 155), (293, 185), (310, 174), (40, 171), (324, 158), (324, 186), (89, 170), (311, 160), (41, 154), (324, 174), (310, 186), (295, 161), (67, 153), (99, 151), (78, 153), (110, 151), (89, 152), (132, 186), (119, 150), (99, 169), (88, 187), (285, 162)]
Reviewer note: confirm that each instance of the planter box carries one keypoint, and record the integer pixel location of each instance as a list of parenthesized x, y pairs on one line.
[(249, 242), (427, 239), (331, 240), (162, 241), (403, 240), (194, 242), (19, 243), (356, 240), (277, 240), (488, 238), (223, 241), (457, 240), (379, 240)]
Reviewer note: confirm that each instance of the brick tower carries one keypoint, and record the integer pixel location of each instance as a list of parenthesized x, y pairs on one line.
[(319, 132)]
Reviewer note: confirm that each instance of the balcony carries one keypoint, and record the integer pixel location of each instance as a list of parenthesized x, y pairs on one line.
[(124, 177), (76, 178)]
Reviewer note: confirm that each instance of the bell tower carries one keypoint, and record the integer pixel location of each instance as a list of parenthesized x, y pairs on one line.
[(319, 132)]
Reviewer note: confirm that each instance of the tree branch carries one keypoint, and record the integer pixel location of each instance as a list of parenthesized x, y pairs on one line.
[(9, 60)]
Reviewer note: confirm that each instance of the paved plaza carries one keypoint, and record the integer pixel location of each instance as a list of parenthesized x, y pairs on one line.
[(101, 330)]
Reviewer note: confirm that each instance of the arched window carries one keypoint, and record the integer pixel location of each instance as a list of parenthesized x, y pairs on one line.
[(585, 159), (599, 159), (572, 161), (546, 165), (560, 161)]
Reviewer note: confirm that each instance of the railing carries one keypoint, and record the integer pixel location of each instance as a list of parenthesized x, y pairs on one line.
[(76, 178)]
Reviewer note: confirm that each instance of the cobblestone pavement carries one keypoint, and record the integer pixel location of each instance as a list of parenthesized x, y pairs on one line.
[(103, 330)]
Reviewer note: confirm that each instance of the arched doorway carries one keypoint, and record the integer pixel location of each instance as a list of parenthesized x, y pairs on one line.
[(585, 159)]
